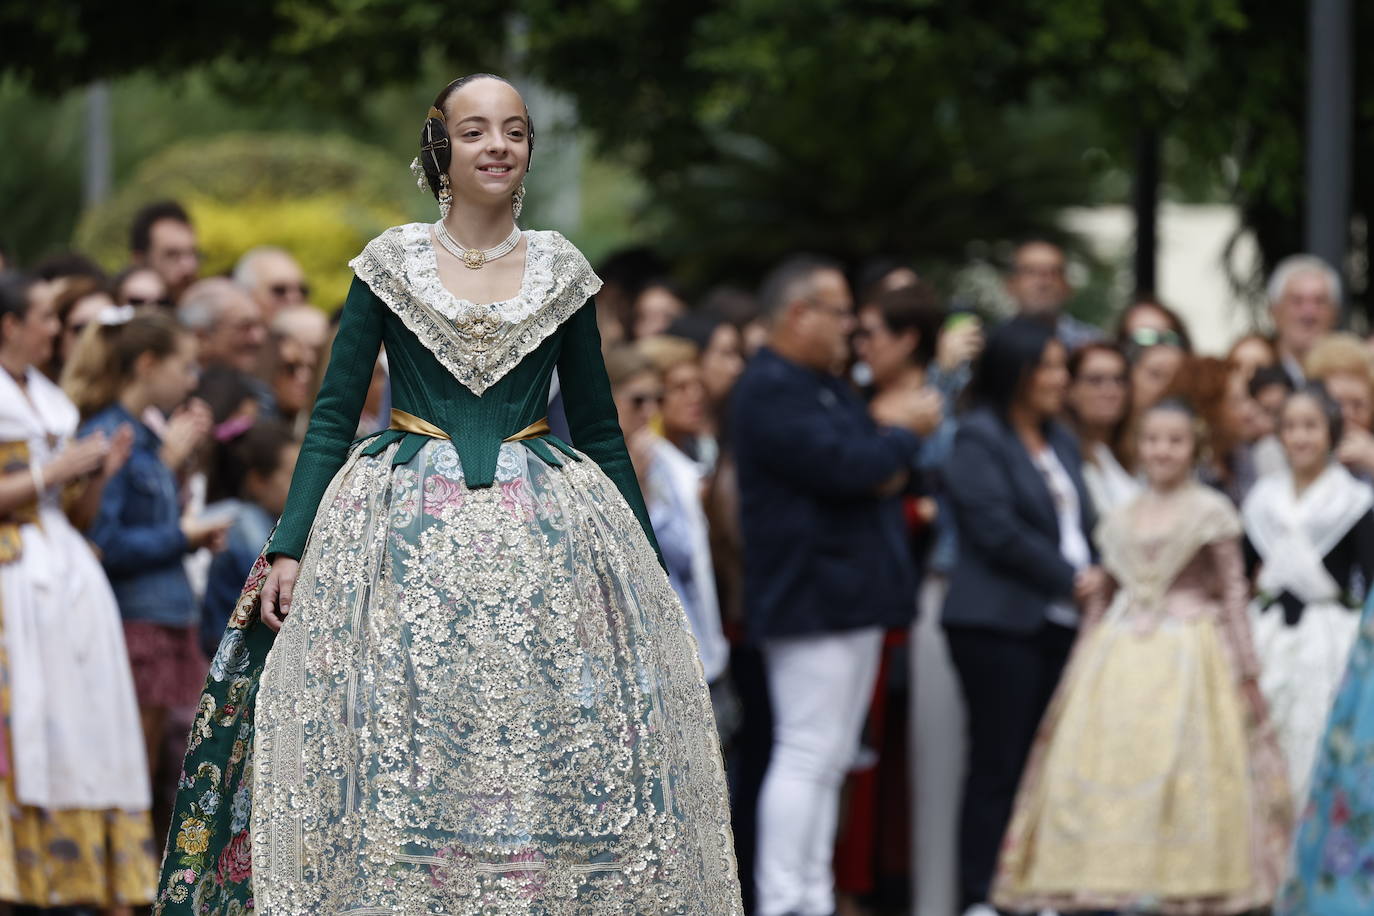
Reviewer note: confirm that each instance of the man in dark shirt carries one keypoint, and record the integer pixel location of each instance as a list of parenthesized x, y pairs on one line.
[(827, 567)]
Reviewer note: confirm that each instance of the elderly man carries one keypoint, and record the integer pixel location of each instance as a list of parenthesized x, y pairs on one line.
[(827, 567), (162, 237), (304, 323), (227, 321), (1038, 284), (273, 278), (1304, 301)]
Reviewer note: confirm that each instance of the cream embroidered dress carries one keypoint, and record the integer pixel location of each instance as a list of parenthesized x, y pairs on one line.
[(1155, 783), (486, 698)]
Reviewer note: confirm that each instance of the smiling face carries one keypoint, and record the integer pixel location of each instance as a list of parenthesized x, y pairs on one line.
[(488, 129), (1304, 313), (1305, 434), (1168, 447)]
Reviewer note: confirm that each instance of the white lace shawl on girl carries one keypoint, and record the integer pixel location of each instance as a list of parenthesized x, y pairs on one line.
[(1293, 534)]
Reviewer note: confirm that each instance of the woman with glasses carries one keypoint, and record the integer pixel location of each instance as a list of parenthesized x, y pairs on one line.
[(1157, 346), (1097, 404), (79, 301)]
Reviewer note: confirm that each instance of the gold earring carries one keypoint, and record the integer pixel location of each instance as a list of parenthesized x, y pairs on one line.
[(445, 196), (517, 200)]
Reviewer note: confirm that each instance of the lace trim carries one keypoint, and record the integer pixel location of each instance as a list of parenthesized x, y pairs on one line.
[(1148, 575), (477, 342)]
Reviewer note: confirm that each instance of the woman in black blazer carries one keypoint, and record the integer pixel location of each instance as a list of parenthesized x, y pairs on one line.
[(1014, 479)]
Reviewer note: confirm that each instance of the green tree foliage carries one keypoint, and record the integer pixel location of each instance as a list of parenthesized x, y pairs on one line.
[(908, 125)]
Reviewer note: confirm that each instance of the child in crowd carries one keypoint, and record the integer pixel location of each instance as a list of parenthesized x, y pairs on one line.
[(1310, 536), (1156, 783), (133, 362), (259, 464)]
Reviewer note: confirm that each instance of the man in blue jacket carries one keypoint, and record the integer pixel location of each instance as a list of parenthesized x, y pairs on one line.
[(826, 564)]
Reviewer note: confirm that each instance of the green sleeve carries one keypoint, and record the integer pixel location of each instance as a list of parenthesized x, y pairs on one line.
[(334, 422), (592, 418)]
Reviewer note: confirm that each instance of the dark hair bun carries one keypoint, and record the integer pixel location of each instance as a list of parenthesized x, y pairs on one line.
[(435, 151)]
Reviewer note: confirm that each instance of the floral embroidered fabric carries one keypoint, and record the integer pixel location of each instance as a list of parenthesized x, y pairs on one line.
[(207, 868), (1155, 783), (1333, 861), (485, 701), (478, 343)]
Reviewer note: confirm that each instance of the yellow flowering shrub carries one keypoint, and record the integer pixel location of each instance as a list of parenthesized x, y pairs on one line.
[(321, 199), (323, 232)]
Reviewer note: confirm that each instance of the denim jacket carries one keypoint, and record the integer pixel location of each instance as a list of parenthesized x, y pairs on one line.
[(138, 530)]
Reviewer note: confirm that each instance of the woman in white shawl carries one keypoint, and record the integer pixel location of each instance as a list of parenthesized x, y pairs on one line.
[(74, 783), (1310, 537)]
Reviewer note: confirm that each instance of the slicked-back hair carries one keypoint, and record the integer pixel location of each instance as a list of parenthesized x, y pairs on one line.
[(790, 281)]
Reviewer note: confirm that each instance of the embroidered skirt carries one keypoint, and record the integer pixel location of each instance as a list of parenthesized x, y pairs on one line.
[(1152, 785), (483, 701)]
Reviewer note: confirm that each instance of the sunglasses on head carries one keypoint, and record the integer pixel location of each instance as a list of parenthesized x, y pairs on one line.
[(281, 290), (1153, 337)]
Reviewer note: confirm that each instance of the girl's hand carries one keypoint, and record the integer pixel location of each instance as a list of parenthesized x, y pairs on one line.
[(276, 592)]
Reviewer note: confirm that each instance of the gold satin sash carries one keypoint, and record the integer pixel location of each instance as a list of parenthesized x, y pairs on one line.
[(409, 423)]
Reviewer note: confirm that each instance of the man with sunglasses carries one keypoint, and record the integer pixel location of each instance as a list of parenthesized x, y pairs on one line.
[(273, 278), (1038, 284)]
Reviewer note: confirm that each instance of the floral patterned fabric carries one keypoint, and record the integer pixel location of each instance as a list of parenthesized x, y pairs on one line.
[(486, 700), (207, 866), (1155, 783), (1333, 868)]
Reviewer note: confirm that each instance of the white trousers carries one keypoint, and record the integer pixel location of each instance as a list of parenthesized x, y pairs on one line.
[(820, 687), (937, 751)]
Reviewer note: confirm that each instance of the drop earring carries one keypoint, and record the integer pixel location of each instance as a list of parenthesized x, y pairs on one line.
[(517, 201), (445, 196)]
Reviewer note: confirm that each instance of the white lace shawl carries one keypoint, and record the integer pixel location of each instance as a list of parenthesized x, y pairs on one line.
[(478, 342)]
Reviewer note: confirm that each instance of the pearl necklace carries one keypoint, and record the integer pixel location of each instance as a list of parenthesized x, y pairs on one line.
[(475, 258)]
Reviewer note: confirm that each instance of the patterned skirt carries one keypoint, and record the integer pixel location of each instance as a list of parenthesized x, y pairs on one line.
[(1333, 862), (483, 701), (1153, 786)]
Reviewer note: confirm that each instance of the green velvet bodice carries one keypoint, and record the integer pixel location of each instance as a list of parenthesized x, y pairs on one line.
[(511, 382)]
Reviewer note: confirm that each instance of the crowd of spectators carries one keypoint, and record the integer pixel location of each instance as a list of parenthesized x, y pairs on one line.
[(850, 479)]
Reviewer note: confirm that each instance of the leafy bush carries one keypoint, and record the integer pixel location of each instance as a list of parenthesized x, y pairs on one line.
[(322, 199)]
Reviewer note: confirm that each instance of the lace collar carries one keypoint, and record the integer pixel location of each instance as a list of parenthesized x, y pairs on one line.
[(478, 343)]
